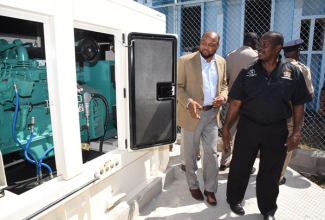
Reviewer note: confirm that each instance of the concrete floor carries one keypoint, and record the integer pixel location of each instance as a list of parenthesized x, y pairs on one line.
[(299, 198)]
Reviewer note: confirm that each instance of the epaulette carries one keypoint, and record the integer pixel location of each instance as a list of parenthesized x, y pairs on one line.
[(301, 64)]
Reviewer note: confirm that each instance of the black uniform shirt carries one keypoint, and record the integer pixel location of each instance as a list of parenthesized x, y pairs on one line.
[(266, 98)]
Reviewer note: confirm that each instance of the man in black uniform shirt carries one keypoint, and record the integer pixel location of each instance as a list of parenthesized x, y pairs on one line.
[(262, 94)]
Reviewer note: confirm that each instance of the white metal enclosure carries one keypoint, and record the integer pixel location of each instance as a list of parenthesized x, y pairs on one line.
[(119, 174)]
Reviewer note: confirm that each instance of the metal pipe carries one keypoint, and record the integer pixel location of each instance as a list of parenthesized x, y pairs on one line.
[(97, 177), (22, 54)]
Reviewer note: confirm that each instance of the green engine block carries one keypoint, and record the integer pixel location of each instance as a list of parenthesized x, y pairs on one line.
[(30, 77)]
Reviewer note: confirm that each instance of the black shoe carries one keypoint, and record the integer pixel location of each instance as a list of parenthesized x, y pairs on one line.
[(253, 170), (283, 181), (237, 208), (269, 217), (223, 167)]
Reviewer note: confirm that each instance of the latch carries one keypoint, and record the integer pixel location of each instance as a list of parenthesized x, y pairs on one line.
[(165, 91), (47, 103)]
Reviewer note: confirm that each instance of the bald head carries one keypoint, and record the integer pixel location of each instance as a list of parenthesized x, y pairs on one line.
[(276, 37), (212, 34)]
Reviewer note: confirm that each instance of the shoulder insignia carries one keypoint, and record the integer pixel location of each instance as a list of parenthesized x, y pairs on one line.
[(303, 66), (251, 73), (287, 75)]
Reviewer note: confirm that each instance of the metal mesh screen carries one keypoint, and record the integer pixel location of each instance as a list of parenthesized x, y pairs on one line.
[(258, 16), (303, 19)]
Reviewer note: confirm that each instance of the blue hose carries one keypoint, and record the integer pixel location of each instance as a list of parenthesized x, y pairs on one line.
[(26, 151), (30, 139), (40, 162)]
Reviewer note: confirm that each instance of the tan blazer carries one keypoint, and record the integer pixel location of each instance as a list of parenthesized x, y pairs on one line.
[(236, 60), (190, 87), (307, 75)]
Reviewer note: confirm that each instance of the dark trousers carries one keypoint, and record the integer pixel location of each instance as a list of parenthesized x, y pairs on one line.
[(250, 138)]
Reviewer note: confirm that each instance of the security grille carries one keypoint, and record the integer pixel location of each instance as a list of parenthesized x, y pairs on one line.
[(303, 19)]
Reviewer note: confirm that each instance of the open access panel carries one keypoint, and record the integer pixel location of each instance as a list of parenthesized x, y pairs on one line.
[(152, 90)]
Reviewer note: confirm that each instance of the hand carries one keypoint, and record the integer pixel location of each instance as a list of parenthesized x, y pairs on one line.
[(226, 137), (192, 107), (293, 141), (218, 101)]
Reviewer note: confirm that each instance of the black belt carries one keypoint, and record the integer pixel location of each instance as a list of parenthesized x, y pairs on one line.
[(207, 107), (264, 123)]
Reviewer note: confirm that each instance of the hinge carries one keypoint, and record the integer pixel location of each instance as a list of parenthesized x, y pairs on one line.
[(126, 144), (124, 91), (123, 38)]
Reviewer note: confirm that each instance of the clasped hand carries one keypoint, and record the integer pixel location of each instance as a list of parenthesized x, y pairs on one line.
[(218, 101)]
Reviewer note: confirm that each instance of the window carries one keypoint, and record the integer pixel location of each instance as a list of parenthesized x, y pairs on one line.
[(318, 35), (318, 40), (258, 16), (191, 27), (304, 33)]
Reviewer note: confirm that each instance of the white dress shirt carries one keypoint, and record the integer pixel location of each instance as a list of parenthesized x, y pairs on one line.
[(210, 79)]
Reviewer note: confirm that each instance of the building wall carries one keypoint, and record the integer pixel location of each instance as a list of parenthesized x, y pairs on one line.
[(234, 25), (227, 17)]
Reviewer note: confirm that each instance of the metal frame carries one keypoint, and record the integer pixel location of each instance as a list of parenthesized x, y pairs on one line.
[(310, 52)]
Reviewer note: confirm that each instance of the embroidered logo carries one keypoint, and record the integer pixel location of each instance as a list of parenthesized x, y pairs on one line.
[(251, 73), (287, 74)]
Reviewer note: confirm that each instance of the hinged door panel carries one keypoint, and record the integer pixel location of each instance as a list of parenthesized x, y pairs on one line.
[(152, 86)]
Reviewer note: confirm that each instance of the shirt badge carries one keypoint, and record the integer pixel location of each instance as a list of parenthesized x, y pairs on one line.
[(287, 75), (251, 73)]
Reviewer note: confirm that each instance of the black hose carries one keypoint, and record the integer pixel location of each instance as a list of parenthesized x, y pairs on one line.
[(106, 119), (84, 127), (32, 105), (88, 131)]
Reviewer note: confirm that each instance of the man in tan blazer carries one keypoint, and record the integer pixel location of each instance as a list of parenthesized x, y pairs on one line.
[(235, 61), (202, 90)]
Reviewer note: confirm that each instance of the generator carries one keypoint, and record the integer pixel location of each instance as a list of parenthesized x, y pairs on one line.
[(24, 81), (29, 78), (87, 107), (102, 100)]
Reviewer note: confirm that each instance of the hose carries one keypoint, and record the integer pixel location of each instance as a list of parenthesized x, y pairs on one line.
[(16, 140), (27, 146), (38, 164), (106, 119), (85, 127), (88, 132), (31, 105), (47, 166)]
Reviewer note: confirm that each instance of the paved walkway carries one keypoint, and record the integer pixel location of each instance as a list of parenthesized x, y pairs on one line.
[(299, 199)]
